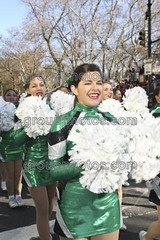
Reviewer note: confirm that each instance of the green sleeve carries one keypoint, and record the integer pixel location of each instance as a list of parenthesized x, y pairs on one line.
[(58, 146), (64, 170)]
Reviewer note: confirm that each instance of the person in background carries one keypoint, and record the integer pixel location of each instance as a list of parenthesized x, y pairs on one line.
[(154, 80), (133, 77), (63, 89), (150, 100), (117, 77), (117, 95), (3, 176), (12, 158), (107, 92), (123, 87)]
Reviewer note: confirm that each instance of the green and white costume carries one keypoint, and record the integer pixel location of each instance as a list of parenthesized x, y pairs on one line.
[(155, 110), (36, 123), (80, 213), (36, 166), (9, 149)]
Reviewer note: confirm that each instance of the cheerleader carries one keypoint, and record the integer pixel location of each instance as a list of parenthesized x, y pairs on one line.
[(12, 157), (36, 163), (81, 214), (154, 228)]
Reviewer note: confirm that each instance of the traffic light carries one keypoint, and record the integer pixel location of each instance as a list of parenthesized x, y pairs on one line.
[(142, 38)]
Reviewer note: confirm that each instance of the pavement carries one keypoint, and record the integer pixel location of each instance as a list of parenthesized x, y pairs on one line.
[(19, 223)]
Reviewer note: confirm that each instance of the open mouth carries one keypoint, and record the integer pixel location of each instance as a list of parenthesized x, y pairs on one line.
[(94, 96), (39, 94)]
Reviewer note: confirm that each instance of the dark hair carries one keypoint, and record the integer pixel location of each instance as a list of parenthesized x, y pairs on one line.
[(30, 78), (115, 90), (81, 70), (156, 92), (62, 86), (9, 89)]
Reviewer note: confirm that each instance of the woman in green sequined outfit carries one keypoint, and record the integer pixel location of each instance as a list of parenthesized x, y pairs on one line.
[(12, 157), (36, 161), (81, 214)]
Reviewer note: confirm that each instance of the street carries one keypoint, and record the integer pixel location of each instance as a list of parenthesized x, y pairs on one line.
[(19, 223)]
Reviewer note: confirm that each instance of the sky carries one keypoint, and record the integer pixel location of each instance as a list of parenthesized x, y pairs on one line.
[(12, 14)]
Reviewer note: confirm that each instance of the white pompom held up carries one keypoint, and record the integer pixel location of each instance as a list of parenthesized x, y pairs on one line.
[(35, 115)]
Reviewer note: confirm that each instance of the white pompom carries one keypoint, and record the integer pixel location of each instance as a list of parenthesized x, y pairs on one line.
[(7, 111), (61, 102), (144, 148), (135, 99), (35, 115), (112, 106), (101, 151)]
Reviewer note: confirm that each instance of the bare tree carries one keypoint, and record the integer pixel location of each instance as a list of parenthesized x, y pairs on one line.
[(20, 57), (58, 35), (47, 15)]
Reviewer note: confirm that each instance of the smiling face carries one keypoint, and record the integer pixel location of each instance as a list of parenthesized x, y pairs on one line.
[(10, 96), (89, 89), (107, 91), (36, 87)]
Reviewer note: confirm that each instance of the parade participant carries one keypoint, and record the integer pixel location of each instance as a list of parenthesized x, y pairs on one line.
[(81, 214), (12, 157), (107, 92), (3, 176), (135, 104), (36, 162), (154, 228)]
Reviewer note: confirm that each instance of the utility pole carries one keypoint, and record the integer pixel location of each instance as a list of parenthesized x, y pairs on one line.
[(149, 28), (149, 42)]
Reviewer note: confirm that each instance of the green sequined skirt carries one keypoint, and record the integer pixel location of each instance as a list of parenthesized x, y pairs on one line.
[(88, 214), (36, 167), (8, 149)]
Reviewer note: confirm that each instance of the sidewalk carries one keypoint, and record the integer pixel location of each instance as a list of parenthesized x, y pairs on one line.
[(22, 233)]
